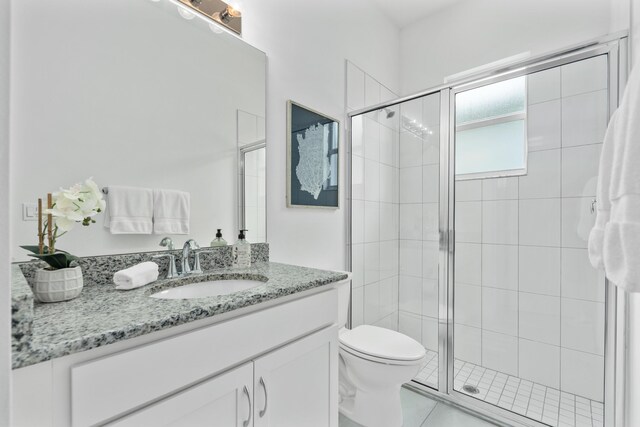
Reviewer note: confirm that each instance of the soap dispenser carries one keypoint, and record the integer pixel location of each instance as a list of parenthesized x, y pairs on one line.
[(242, 251), (218, 241)]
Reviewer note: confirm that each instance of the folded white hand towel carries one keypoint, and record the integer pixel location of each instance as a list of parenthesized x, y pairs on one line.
[(614, 242), (136, 276), (171, 212), (129, 210)]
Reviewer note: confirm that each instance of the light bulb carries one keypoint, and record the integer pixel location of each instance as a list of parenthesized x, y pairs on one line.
[(233, 12), (227, 14)]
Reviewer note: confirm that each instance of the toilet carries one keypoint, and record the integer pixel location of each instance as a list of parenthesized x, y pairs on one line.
[(374, 363)]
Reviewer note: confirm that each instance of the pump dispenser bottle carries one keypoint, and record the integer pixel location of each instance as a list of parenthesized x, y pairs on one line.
[(242, 251), (219, 241)]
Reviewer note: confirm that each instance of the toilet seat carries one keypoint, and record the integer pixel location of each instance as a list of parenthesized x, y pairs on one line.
[(374, 359), (381, 345)]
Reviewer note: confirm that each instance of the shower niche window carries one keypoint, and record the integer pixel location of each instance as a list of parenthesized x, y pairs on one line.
[(491, 130)]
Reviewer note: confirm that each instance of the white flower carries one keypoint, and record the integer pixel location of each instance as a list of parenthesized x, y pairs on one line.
[(79, 203)]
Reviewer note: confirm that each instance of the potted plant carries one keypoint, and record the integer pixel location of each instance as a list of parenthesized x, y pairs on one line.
[(61, 281)]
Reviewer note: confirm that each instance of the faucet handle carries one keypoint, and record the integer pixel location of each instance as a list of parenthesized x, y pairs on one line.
[(196, 263), (166, 242), (172, 271)]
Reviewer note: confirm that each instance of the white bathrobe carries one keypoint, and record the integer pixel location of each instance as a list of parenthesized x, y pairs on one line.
[(614, 242)]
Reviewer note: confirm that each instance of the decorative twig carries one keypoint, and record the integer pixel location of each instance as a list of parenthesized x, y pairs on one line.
[(40, 232), (50, 225)]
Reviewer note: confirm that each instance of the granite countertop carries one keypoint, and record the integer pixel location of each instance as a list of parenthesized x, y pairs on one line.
[(102, 315)]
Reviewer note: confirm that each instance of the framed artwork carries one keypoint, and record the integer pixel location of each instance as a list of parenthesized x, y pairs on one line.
[(312, 158)]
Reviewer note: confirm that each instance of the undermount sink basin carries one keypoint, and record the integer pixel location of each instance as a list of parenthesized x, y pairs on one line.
[(212, 288)]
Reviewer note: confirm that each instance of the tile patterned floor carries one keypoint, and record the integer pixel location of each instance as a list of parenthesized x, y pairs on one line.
[(536, 401), (420, 411), (428, 375)]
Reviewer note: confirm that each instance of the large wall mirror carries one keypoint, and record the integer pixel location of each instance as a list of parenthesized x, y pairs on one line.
[(138, 93)]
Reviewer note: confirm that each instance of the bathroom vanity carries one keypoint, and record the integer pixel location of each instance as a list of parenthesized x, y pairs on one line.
[(123, 358)]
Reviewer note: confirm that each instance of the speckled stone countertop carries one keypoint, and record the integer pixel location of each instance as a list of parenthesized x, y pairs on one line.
[(102, 315), (21, 309)]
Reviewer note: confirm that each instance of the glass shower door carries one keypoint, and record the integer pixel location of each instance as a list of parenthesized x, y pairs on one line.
[(529, 310), (419, 208), (395, 223)]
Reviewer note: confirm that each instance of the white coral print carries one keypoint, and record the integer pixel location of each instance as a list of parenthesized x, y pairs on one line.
[(313, 168)]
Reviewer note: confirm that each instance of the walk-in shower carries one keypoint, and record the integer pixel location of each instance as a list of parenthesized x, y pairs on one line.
[(470, 212)]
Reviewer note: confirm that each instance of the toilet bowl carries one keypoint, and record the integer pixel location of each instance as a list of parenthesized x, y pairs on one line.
[(374, 363)]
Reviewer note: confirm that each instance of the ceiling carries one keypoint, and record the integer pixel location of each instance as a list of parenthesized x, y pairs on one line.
[(406, 12)]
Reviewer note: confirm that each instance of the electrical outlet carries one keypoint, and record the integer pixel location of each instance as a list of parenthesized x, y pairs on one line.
[(29, 212)]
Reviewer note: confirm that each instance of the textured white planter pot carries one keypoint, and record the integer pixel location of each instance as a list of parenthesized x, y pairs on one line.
[(57, 285)]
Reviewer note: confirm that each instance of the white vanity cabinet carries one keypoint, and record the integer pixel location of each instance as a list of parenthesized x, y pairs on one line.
[(291, 386), (267, 365)]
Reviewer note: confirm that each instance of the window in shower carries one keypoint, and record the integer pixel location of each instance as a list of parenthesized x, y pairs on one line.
[(491, 130)]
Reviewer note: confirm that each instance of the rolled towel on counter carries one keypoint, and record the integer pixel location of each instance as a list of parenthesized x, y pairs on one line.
[(136, 276)]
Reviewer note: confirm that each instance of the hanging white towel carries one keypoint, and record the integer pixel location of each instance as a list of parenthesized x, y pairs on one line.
[(129, 210), (136, 276), (171, 212), (614, 242)]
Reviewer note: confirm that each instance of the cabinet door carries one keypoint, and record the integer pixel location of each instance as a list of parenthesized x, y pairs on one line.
[(297, 385), (225, 400)]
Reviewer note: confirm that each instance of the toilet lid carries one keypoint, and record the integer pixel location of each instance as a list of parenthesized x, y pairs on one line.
[(383, 343)]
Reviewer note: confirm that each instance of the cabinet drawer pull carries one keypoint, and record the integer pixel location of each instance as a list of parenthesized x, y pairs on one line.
[(246, 422), (264, 387)]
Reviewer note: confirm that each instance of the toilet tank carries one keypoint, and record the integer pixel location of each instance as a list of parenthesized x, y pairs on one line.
[(344, 295)]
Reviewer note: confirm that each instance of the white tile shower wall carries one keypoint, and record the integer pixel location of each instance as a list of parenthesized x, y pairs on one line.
[(419, 212), (527, 301), (376, 216)]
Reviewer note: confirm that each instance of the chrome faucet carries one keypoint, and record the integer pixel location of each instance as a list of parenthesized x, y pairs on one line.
[(189, 245)]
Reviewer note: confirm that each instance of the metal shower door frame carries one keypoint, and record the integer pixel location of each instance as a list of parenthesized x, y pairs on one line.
[(616, 52), (616, 366)]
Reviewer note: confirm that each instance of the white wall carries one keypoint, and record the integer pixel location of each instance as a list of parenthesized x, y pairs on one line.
[(132, 94), (5, 291), (476, 32), (306, 44), (620, 18)]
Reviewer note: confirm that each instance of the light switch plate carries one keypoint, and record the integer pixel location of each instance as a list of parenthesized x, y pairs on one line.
[(29, 212)]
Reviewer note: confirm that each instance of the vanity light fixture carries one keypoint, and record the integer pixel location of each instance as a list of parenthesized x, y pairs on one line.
[(217, 10)]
